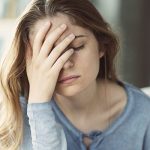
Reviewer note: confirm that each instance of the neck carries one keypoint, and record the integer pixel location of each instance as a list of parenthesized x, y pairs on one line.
[(84, 103), (97, 106)]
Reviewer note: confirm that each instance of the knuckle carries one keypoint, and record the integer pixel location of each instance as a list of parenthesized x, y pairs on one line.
[(36, 65)]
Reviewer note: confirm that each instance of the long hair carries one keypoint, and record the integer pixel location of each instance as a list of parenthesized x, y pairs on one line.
[(13, 77)]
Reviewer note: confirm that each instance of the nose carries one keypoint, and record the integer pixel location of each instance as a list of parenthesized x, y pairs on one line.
[(68, 64)]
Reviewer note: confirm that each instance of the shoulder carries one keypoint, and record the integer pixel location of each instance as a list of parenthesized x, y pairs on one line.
[(136, 93), (140, 101)]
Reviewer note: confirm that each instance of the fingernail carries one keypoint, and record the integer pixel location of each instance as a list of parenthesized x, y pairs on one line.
[(71, 50), (71, 36), (63, 26), (47, 23)]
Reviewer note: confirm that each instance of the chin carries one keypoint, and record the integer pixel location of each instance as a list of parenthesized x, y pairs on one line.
[(67, 91)]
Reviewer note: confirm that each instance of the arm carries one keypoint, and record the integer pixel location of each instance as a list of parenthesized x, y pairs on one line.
[(43, 65), (45, 132)]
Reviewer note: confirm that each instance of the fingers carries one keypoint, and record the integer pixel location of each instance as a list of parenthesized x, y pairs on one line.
[(50, 40), (38, 41), (56, 68), (43, 43), (59, 49)]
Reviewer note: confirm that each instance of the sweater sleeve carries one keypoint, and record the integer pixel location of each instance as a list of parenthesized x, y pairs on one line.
[(46, 134), (147, 139)]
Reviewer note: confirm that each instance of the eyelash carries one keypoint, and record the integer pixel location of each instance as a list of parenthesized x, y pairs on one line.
[(78, 48)]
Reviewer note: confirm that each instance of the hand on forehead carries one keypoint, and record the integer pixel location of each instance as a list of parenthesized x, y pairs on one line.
[(56, 22)]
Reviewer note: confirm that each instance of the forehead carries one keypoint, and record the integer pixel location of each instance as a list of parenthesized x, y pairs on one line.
[(56, 21)]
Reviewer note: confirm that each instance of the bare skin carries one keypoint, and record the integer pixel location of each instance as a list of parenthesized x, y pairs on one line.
[(43, 66)]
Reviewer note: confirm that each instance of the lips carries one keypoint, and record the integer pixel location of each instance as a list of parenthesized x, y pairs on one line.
[(68, 78)]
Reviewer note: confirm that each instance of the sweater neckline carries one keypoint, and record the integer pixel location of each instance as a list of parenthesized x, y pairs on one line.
[(114, 125)]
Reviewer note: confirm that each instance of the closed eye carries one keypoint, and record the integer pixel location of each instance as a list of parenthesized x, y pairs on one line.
[(78, 48)]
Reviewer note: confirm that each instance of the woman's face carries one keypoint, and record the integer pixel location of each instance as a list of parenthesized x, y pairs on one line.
[(83, 63)]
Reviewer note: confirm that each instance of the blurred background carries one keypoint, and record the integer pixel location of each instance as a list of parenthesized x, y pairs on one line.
[(129, 20)]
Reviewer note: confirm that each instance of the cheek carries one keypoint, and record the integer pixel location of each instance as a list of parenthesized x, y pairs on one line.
[(89, 65)]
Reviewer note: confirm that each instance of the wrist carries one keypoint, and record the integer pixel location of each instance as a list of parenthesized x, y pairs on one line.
[(38, 99)]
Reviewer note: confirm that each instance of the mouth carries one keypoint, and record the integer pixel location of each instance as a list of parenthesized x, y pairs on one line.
[(68, 79)]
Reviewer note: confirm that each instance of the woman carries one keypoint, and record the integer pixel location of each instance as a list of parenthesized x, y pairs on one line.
[(62, 65)]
